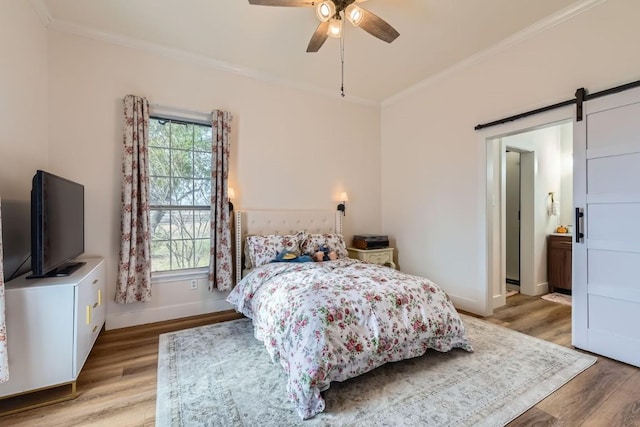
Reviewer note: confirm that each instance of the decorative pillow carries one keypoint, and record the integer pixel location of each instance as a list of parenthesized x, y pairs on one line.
[(263, 249), (335, 242), (246, 257)]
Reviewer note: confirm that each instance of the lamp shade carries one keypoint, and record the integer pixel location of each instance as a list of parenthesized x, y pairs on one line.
[(231, 194), (335, 28), (354, 14), (343, 197), (325, 10)]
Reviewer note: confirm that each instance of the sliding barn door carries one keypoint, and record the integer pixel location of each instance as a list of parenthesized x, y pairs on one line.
[(606, 261)]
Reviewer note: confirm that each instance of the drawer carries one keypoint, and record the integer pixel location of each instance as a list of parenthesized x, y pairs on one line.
[(90, 314), (560, 242), (375, 256), (379, 258)]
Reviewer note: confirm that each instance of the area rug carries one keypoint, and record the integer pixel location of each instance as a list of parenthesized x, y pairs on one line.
[(220, 375), (557, 297)]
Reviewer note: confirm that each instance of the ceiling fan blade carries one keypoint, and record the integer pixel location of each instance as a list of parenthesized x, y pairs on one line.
[(287, 3), (319, 37), (377, 27)]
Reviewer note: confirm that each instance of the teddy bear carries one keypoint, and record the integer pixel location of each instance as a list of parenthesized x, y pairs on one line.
[(325, 254)]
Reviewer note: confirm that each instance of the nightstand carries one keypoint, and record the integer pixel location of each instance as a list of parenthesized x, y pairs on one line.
[(381, 256)]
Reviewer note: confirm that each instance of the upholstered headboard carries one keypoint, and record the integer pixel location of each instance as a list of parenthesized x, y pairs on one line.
[(282, 223)]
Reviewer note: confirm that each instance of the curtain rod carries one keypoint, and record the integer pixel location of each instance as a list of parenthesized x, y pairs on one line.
[(580, 96)]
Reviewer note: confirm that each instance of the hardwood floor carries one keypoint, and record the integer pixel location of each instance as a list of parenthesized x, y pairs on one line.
[(606, 394), (117, 386)]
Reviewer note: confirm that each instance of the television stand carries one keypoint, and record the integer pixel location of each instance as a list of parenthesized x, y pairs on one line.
[(52, 324), (62, 271)]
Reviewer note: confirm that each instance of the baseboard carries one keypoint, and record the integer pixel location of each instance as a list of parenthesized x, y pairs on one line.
[(160, 314), (542, 288), (469, 305), (498, 301)]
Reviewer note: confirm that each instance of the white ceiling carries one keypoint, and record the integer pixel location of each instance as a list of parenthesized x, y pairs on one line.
[(270, 42)]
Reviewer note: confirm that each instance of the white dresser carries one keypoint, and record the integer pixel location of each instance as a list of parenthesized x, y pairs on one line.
[(52, 325)]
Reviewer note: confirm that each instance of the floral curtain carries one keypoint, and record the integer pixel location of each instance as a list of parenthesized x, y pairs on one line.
[(4, 359), (134, 269), (220, 264)]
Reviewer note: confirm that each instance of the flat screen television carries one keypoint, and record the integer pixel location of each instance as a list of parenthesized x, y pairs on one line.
[(57, 225)]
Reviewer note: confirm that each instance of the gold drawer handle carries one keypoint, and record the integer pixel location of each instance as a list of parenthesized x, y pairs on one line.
[(88, 315), (99, 296)]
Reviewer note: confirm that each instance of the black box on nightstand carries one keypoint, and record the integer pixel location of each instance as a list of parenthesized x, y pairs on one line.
[(370, 241)]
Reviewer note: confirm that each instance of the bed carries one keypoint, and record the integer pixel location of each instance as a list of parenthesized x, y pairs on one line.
[(333, 320)]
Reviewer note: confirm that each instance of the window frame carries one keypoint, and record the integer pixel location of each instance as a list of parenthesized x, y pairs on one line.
[(203, 120)]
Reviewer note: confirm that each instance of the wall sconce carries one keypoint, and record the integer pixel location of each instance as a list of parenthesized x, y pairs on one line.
[(230, 196), (342, 206), (554, 208)]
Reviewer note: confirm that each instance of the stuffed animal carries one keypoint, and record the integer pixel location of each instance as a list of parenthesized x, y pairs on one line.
[(325, 254), (288, 256)]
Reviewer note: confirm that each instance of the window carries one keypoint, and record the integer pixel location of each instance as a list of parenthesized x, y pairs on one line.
[(180, 194)]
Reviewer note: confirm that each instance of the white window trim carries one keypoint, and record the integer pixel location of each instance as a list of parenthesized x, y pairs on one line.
[(179, 275), (180, 114)]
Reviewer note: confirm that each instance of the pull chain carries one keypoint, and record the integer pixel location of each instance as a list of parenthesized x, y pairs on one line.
[(342, 63)]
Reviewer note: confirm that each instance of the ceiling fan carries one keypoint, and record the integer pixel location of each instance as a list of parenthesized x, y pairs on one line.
[(331, 14)]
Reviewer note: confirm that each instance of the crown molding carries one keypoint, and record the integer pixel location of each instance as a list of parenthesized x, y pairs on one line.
[(181, 55), (517, 38), (43, 12), (202, 60)]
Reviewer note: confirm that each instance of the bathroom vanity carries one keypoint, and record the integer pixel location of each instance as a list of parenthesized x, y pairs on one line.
[(559, 262)]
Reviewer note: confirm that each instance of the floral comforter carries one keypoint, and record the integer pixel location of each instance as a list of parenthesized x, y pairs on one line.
[(330, 321)]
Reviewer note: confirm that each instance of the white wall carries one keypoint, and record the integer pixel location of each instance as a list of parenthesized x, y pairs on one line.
[(23, 121), (23, 97), (566, 192), (432, 164), (425, 188), (290, 149)]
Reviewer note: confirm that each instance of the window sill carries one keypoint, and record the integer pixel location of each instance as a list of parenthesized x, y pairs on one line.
[(179, 275)]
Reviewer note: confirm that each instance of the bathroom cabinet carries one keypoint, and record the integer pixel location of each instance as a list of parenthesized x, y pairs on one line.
[(559, 262)]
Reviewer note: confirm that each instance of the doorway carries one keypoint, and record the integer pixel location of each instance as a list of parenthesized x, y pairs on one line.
[(512, 212), (542, 150)]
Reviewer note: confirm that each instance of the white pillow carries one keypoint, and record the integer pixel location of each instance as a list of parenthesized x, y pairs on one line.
[(260, 250), (333, 241)]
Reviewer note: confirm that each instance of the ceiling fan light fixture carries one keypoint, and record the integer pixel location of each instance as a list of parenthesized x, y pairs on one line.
[(326, 10), (354, 14), (335, 28)]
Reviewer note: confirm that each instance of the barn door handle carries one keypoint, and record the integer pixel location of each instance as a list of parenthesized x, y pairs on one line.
[(579, 234)]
